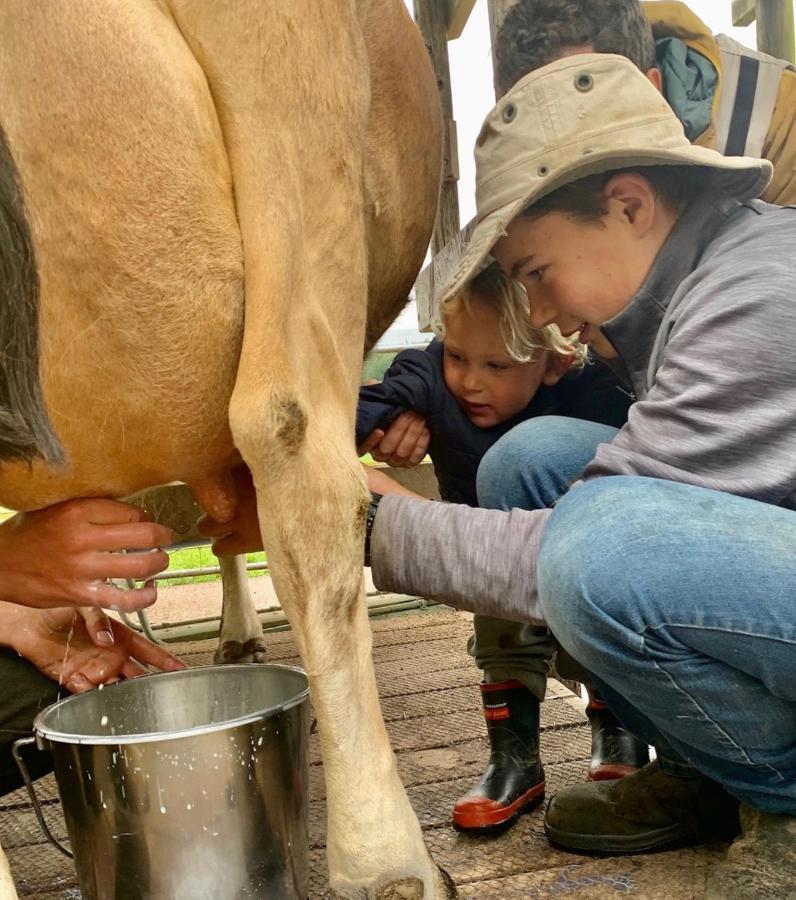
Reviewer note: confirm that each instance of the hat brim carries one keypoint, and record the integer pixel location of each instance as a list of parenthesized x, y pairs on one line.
[(741, 177)]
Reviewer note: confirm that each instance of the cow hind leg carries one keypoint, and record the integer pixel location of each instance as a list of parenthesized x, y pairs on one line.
[(312, 505), (7, 889), (241, 639)]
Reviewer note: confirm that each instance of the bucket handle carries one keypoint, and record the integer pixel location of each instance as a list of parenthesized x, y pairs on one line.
[(23, 769)]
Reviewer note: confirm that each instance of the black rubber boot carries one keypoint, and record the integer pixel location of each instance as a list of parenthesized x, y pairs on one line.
[(649, 810), (513, 782), (615, 752)]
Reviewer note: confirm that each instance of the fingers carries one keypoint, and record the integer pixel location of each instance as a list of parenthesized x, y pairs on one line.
[(132, 669), (129, 565), (405, 442), (370, 442), (108, 596), (103, 511), (77, 683), (130, 536), (151, 654), (98, 626), (417, 455)]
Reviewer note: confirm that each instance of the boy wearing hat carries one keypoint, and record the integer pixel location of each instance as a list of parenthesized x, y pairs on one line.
[(667, 569)]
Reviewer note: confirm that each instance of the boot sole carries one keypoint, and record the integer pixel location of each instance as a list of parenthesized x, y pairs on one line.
[(649, 841), (500, 819)]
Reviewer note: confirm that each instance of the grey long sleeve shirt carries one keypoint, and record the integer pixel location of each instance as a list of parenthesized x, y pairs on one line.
[(709, 347)]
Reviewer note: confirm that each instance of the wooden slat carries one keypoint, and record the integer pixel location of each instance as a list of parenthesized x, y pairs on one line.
[(743, 12), (431, 18), (775, 28), (458, 14)]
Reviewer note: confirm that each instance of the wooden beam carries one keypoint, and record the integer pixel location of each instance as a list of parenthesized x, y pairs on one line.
[(431, 18), (743, 12), (775, 28), (458, 13)]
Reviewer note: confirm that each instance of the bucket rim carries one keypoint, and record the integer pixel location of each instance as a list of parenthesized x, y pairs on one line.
[(42, 732)]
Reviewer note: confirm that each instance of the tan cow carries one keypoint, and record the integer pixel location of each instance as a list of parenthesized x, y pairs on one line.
[(185, 165)]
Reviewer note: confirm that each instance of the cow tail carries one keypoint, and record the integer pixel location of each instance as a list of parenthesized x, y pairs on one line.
[(25, 429)]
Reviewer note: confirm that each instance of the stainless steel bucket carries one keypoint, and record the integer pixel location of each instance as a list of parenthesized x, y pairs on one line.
[(185, 785)]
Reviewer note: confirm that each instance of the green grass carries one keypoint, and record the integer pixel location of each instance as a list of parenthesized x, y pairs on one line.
[(201, 557)]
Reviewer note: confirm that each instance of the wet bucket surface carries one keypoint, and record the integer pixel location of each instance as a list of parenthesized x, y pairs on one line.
[(186, 785)]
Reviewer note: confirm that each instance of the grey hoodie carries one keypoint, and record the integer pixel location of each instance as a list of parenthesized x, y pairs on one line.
[(708, 346)]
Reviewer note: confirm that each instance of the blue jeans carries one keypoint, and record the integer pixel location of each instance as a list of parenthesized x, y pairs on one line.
[(680, 600)]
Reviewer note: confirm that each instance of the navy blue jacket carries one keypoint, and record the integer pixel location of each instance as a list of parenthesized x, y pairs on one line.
[(415, 381)]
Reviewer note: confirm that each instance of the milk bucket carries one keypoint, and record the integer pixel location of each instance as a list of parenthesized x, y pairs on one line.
[(186, 785)]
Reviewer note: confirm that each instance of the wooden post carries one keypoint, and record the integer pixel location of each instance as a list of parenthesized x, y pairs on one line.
[(432, 20), (775, 28)]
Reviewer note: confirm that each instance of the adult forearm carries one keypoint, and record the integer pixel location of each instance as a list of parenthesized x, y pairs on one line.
[(481, 560)]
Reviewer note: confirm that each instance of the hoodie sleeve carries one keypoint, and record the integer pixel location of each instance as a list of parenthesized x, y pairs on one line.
[(409, 383)]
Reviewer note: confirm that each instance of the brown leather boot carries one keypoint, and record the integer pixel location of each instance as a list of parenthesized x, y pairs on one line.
[(513, 782), (648, 810)]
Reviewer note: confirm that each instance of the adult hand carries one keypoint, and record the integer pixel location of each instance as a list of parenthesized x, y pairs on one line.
[(380, 483), (403, 444), (241, 534), (59, 643), (61, 556)]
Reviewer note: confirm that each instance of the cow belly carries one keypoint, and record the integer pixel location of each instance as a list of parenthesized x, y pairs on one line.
[(137, 246)]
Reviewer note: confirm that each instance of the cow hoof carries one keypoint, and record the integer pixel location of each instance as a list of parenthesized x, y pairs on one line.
[(410, 889), (252, 651)]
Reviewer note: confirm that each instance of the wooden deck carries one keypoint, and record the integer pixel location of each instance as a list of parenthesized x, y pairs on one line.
[(431, 704)]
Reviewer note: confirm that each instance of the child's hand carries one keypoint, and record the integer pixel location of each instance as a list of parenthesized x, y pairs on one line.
[(403, 444)]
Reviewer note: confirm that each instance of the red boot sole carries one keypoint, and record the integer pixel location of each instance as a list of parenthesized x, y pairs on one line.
[(496, 819)]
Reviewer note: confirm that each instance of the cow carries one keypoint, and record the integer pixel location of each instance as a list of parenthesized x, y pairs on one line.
[(215, 205)]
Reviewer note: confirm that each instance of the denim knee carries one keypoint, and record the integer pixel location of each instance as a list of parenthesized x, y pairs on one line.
[(532, 465), (585, 586)]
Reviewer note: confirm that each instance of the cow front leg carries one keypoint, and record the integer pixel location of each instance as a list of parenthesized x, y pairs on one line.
[(241, 638), (312, 504)]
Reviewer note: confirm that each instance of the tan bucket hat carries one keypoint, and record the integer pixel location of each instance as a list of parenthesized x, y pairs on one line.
[(579, 116)]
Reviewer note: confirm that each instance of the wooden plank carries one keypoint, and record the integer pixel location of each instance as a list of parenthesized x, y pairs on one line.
[(458, 14), (743, 12), (775, 28), (432, 18)]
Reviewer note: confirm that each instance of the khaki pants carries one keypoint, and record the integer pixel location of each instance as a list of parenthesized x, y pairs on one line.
[(506, 650)]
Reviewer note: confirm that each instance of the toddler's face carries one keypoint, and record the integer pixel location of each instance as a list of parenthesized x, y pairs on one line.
[(487, 383)]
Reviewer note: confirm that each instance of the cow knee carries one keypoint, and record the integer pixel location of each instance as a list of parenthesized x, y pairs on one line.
[(271, 429)]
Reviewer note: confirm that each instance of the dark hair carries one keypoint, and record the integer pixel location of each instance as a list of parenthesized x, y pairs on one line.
[(677, 186), (535, 32)]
